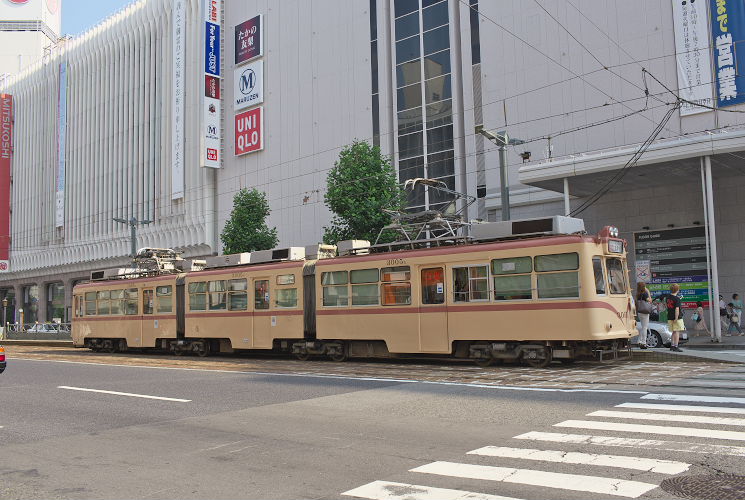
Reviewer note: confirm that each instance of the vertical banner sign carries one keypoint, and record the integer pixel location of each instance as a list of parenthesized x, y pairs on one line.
[(177, 121), (674, 256), (728, 41), (248, 40), (695, 82), (59, 214), (248, 85), (249, 131), (6, 154), (211, 127)]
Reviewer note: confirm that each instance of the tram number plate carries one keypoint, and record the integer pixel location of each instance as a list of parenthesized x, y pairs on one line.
[(615, 246), (395, 262)]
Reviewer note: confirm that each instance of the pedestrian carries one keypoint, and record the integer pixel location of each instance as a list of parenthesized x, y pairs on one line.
[(675, 316), (734, 320), (723, 316), (737, 306), (643, 308), (700, 320)]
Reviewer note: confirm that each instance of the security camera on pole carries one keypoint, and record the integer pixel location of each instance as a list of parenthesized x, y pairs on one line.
[(502, 140)]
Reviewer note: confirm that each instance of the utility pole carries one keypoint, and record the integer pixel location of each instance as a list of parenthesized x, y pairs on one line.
[(133, 230), (502, 140)]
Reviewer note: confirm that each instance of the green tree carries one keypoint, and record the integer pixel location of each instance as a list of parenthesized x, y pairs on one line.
[(246, 229), (361, 184)]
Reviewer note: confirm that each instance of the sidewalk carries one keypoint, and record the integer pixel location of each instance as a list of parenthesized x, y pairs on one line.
[(704, 342)]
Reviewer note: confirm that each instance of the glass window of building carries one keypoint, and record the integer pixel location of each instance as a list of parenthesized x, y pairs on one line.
[(407, 26), (9, 296), (30, 304), (403, 7), (435, 16), (56, 302)]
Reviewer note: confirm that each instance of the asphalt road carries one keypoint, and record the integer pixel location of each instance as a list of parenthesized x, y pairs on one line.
[(240, 435)]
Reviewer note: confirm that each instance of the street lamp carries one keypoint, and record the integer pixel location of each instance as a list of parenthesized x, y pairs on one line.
[(502, 140), (133, 230), (5, 312)]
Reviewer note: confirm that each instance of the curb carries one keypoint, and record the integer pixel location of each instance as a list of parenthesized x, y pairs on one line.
[(682, 358), (43, 343)]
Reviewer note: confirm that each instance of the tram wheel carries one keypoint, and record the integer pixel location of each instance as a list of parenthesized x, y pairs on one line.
[(338, 357), (204, 350), (178, 352), (484, 362), (303, 355), (540, 362)]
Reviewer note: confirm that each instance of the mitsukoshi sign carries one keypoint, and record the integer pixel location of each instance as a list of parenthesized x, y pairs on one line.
[(6, 154)]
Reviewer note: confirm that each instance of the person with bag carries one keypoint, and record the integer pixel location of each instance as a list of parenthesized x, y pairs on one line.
[(700, 321), (643, 309), (675, 316), (737, 306), (723, 314), (734, 320)]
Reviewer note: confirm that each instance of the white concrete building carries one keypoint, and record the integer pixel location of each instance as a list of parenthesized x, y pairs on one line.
[(415, 77), (28, 30)]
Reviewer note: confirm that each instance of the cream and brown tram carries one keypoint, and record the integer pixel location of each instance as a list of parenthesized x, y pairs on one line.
[(535, 299)]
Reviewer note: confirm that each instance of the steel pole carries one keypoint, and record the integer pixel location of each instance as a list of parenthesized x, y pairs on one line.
[(713, 244), (133, 236), (712, 317), (504, 179), (567, 208)]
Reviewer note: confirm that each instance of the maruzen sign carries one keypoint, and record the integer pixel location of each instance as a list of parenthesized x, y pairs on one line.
[(6, 154)]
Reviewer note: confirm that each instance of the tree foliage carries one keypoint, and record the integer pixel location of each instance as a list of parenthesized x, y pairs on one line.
[(246, 229), (361, 184)]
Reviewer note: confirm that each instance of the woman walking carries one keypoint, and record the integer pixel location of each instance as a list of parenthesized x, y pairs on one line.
[(643, 308), (700, 321)]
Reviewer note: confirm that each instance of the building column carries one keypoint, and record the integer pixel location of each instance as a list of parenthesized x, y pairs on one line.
[(709, 199), (19, 302), (567, 208), (42, 312)]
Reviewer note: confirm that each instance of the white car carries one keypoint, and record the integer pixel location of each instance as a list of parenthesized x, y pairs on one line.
[(659, 334), (45, 328)]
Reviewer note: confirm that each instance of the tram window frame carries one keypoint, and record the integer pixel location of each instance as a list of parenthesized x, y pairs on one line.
[(118, 302), (361, 280), (285, 298), (331, 282), (103, 302), (553, 269), (430, 295), (238, 294), (622, 276), (90, 298), (148, 301), (285, 279), (217, 292), (470, 292), (512, 270), (132, 302), (197, 296), (262, 295), (396, 285), (164, 299), (599, 272)]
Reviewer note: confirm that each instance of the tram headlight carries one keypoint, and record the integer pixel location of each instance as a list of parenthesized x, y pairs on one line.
[(613, 232)]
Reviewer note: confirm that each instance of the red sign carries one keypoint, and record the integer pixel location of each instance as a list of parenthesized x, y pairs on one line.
[(211, 154), (248, 131), (248, 40), (211, 86), (6, 153)]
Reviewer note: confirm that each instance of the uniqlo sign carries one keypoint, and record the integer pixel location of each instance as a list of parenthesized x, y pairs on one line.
[(248, 40), (249, 135)]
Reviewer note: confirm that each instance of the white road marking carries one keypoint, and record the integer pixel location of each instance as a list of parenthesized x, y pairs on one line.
[(573, 482), (709, 449), (666, 417), (696, 399), (564, 457), (386, 490), (653, 429), (129, 394), (664, 407), (345, 377)]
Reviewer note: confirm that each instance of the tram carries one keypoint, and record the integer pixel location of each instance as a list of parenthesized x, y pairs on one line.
[(522, 295)]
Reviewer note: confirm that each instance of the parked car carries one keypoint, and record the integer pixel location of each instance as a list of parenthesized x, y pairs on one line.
[(659, 335), (45, 328), (2, 359)]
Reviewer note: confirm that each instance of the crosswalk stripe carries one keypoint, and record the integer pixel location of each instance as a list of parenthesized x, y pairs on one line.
[(691, 419), (386, 490), (574, 482), (653, 429), (664, 407), (564, 457), (692, 398), (709, 449)]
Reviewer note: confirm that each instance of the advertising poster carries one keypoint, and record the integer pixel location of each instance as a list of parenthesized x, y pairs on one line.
[(728, 33), (691, 26), (59, 215), (6, 154), (248, 40), (248, 85), (675, 256), (211, 140), (248, 131), (177, 110)]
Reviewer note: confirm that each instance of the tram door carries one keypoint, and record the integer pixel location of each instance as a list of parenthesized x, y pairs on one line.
[(262, 319), (433, 317), (149, 325)]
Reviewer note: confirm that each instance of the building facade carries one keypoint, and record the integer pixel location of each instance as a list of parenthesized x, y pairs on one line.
[(579, 87), (28, 31)]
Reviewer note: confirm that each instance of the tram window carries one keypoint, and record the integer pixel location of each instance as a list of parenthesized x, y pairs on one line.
[(198, 296), (286, 279), (286, 297), (131, 307), (238, 295), (515, 265), (261, 294), (557, 262), (517, 287), (165, 301), (147, 302), (104, 302), (433, 286), (396, 290), (398, 273), (470, 283), (616, 278), (558, 285), (90, 303), (218, 293), (597, 269), (117, 302), (364, 287), (335, 292)]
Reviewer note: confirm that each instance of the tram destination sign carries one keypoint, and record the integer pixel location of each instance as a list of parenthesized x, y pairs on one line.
[(670, 256)]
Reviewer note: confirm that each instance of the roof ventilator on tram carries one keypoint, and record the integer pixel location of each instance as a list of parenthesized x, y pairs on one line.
[(278, 255), (511, 229)]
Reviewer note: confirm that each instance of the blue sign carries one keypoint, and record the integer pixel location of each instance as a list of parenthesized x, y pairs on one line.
[(212, 49), (727, 31)]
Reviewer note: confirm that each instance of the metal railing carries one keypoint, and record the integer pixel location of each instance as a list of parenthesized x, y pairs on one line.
[(36, 331)]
